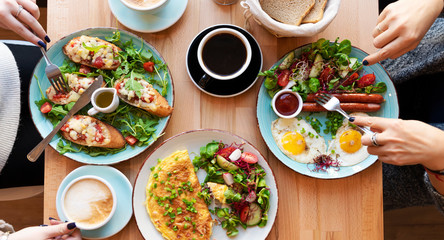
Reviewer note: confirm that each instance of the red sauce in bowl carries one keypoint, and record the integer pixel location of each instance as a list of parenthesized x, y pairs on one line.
[(287, 104)]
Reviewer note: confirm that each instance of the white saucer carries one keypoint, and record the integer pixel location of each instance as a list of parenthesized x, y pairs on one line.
[(148, 23), (123, 189)]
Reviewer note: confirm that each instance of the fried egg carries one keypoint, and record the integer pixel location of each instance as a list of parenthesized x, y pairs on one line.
[(297, 139), (347, 146)]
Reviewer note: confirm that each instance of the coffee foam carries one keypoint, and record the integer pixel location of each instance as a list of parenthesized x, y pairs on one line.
[(88, 202)]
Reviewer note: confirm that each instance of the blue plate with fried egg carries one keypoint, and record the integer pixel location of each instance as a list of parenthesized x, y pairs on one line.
[(272, 127)]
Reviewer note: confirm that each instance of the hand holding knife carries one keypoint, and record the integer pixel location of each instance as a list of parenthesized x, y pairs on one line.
[(84, 99)]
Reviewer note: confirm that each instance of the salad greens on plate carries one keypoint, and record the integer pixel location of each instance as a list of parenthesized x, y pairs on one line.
[(136, 125), (321, 66), (237, 182)]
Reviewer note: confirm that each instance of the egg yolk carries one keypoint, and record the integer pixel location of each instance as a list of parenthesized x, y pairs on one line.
[(293, 142), (350, 141)]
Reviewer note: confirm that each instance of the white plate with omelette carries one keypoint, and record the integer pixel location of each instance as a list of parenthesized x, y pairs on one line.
[(266, 118), (193, 141)]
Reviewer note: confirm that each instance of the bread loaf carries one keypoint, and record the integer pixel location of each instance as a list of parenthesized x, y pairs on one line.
[(316, 13), (287, 11)]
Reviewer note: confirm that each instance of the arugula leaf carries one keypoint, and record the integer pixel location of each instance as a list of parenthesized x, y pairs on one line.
[(94, 48), (114, 38), (133, 84)]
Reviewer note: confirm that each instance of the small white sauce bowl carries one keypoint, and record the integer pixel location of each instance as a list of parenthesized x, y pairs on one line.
[(298, 97)]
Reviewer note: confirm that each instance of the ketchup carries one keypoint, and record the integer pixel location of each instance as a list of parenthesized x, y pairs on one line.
[(287, 104)]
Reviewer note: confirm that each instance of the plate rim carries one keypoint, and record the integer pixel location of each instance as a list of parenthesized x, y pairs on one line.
[(216, 26), (207, 130), (149, 31), (326, 177), (133, 36), (127, 183)]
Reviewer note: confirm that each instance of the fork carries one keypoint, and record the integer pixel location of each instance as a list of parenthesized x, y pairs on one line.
[(54, 75), (331, 103)]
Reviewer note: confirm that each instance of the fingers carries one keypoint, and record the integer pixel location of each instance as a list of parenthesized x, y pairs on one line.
[(31, 7), (32, 22), (377, 123), (59, 229), (13, 24)]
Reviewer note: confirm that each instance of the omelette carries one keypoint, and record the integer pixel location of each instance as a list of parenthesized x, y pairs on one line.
[(172, 201)]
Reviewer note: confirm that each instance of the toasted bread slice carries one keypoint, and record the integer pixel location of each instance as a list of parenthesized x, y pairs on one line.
[(150, 99), (316, 13), (76, 83), (93, 52), (287, 11), (91, 132)]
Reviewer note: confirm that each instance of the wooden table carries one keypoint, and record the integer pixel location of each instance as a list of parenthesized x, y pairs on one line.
[(349, 208)]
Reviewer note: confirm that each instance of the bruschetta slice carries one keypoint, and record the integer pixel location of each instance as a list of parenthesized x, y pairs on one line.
[(93, 52), (91, 132), (76, 83), (150, 99)]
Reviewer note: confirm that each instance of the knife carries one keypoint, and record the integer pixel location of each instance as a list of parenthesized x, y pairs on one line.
[(84, 99), (341, 81)]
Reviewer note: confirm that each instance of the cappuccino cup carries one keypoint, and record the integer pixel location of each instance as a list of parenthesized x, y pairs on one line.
[(90, 201), (104, 100), (223, 54)]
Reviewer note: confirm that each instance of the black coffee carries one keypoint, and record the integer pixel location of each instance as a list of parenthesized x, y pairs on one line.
[(224, 54)]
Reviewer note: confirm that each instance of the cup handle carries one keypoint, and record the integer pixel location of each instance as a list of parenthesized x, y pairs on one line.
[(92, 111), (204, 81)]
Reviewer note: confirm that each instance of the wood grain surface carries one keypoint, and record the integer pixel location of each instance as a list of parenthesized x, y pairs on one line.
[(349, 208)]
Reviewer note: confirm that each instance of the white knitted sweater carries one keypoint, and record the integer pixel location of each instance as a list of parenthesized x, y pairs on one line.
[(9, 102)]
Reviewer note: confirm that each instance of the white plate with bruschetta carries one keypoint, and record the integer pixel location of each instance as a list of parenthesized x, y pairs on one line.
[(311, 128), (127, 63)]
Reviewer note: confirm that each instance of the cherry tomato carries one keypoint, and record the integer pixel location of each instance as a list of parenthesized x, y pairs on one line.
[(244, 214), (327, 75), (248, 157), (131, 140), (284, 78), (351, 79), (64, 127), (46, 107), (98, 63), (118, 86), (84, 69), (366, 80), (226, 152), (148, 66)]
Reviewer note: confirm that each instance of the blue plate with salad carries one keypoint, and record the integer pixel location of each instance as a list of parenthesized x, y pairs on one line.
[(129, 120), (312, 141), (252, 179)]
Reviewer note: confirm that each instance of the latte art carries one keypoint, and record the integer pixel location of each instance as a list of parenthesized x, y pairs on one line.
[(88, 202)]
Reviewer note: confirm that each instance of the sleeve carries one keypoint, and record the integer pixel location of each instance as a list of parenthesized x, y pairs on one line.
[(437, 197)]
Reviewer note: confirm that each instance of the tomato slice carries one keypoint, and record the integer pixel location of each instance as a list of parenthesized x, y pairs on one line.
[(226, 152), (284, 78), (148, 66), (46, 107), (248, 157), (366, 80), (98, 63), (131, 140), (351, 79), (244, 214)]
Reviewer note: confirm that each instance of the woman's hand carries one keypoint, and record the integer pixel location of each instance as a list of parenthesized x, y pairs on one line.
[(57, 230), (23, 22), (405, 142), (401, 26)]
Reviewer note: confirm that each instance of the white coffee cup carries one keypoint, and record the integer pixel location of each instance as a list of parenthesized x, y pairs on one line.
[(150, 6), (205, 65), (87, 200), (101, 101)]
